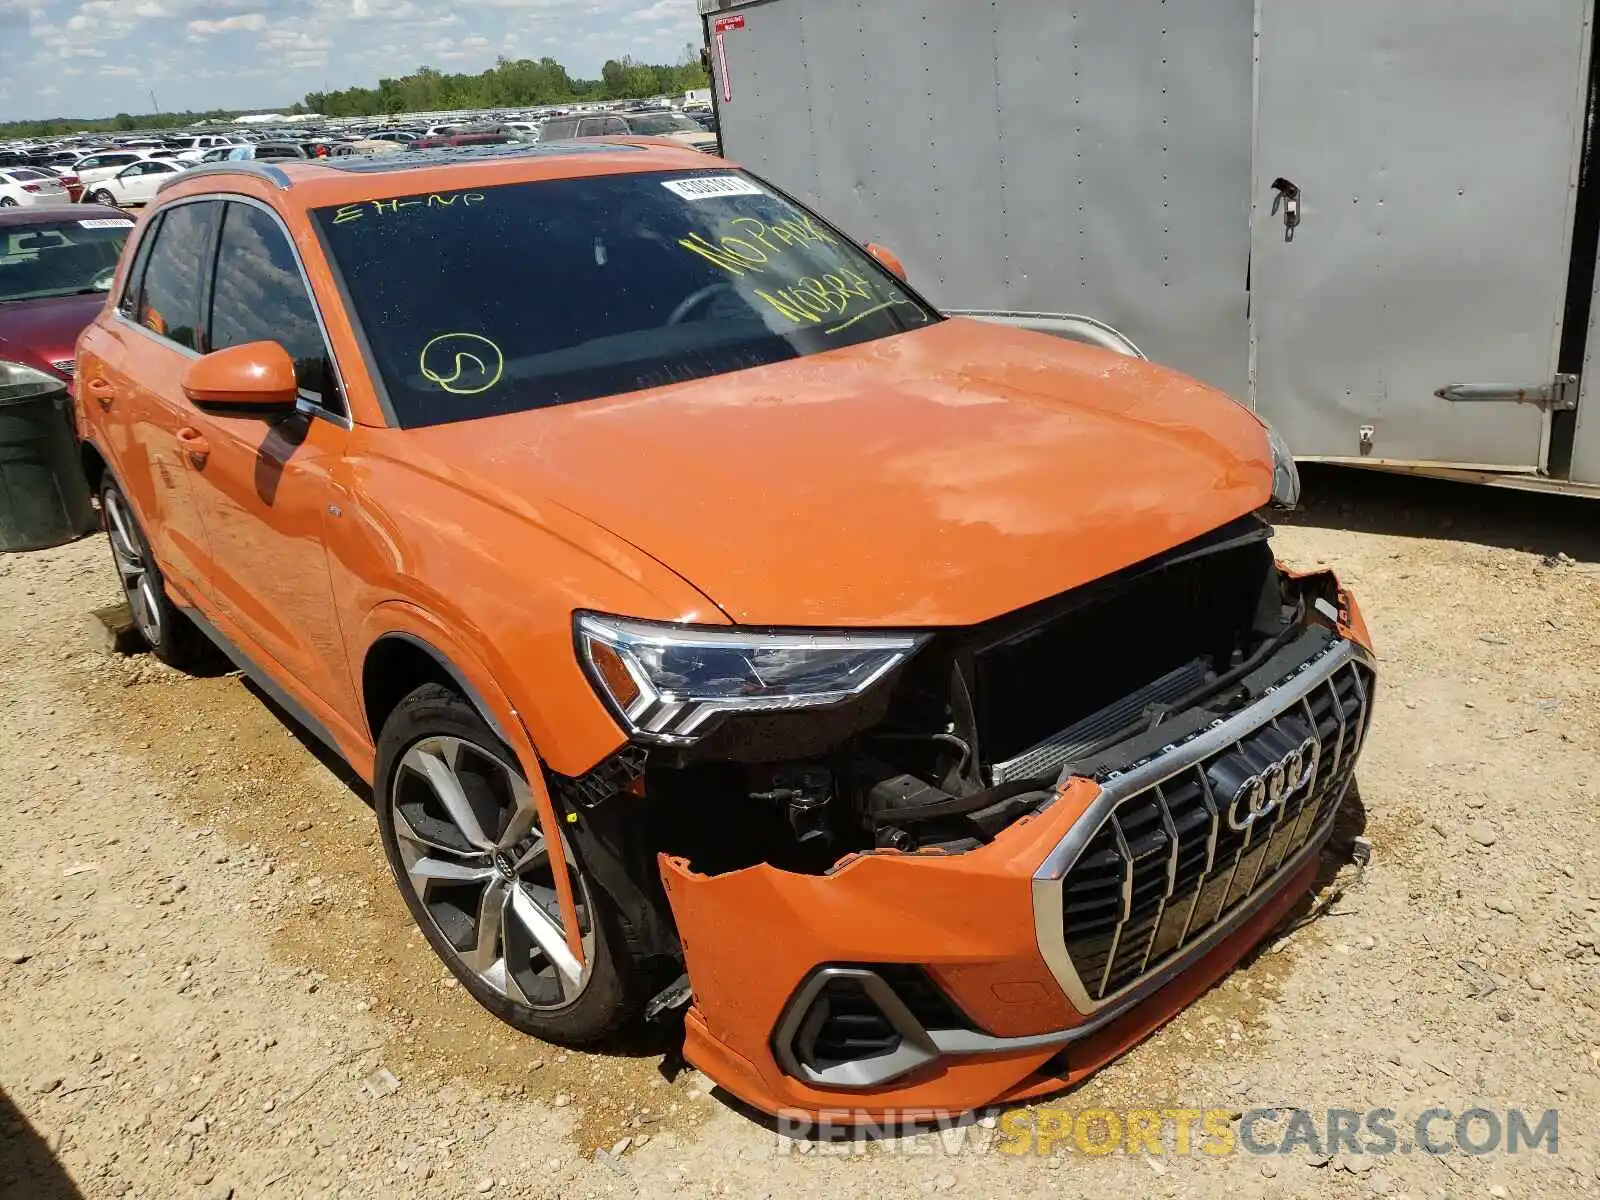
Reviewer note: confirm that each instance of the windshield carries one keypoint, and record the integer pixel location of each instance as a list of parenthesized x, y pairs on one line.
[(529, 295), (60, 258), (661, 123)]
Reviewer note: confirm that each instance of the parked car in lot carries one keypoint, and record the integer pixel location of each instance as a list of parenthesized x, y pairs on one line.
[(92, 168), (487, 137), (228, 154), (69, 181), (266, 150), (56, 265), (646, 124), (716, 622), (134, 185), (22, 186)]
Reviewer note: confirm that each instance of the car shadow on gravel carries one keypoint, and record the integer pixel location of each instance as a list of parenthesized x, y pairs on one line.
[(27, 1167), (661, 1039), (1367, 501), (313, 745), (1338, 853)]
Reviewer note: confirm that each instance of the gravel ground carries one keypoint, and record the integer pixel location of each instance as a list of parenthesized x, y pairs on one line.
[(209, 988)]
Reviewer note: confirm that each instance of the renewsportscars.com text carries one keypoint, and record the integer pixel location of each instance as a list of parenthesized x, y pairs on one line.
[(1213, 1132)]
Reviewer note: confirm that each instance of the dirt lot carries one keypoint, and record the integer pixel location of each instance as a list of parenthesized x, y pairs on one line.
[(204, 962)]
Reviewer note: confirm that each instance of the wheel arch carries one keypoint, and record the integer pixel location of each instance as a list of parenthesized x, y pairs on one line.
[(398, 663), (394, 651)]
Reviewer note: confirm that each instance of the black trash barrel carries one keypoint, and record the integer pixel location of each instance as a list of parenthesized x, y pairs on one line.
[(44, 497)]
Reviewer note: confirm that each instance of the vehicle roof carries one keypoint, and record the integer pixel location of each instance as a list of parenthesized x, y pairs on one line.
[(319, 182), (44, 214)]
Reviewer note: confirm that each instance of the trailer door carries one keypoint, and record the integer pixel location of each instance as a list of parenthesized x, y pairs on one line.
[(1028, 159), (1429, 152)]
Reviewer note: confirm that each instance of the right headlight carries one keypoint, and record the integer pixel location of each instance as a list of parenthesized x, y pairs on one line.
[(1285, 475), (668, 683)]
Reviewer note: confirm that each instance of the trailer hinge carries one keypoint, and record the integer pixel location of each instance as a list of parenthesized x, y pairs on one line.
[(1559, 395)]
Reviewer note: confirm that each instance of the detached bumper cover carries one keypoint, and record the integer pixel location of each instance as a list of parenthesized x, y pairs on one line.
[(1038, 977)]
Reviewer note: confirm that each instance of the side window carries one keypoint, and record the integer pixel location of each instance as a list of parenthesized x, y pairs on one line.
[(591, 127), (616, 125), (128, 306), (169, 301), (90, 163), (260, 296)]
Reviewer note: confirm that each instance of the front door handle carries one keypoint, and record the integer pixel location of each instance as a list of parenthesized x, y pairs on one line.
[(105, 395), (195, 446)]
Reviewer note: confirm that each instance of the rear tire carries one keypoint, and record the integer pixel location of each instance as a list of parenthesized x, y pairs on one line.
[(171, 636), (8, 201), (466, 847)]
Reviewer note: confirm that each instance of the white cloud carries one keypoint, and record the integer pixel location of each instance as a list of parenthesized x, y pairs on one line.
[(661, 10), (252, 22), (182, 48)]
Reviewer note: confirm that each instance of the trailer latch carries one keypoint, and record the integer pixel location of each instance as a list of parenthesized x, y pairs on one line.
[(1559, 395), (1286, 196)]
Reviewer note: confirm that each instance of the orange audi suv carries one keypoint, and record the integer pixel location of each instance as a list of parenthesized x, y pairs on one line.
[(912, 705)]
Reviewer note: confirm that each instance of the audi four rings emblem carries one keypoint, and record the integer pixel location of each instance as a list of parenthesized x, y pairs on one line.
[(1260, 794)]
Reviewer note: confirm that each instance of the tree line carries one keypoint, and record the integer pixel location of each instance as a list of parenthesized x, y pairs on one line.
[(121, 123), (510, 83)]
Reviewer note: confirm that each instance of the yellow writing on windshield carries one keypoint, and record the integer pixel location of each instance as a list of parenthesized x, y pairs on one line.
[(754, 245), (463, 364), (823, 300), (833, 300), (354, 212)]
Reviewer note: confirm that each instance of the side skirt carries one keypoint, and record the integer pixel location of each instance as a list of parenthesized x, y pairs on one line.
[(264, 681)]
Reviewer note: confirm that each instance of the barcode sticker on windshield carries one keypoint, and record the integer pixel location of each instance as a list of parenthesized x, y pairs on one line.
[(708, 187), (107, 223)]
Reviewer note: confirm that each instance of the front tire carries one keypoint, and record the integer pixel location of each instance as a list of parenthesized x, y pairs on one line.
[(467, 851), (171, 636), (101, 196)]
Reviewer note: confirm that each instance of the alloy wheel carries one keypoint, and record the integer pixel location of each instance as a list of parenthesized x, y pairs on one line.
[(473, 851), (137, 582)]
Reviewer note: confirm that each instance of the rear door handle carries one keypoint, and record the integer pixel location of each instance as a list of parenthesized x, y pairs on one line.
[(194, 446)]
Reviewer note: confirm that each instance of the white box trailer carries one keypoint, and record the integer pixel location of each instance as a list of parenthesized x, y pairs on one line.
[(1373, 222)]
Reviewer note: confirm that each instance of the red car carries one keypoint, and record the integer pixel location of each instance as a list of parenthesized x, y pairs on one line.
[(56, 265), (71, 182)]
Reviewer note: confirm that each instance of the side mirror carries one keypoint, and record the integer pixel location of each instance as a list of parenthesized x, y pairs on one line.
[(253, 380), (888, 259)]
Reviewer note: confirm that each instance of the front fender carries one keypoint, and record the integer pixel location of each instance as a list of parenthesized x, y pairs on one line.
[(490, 582)]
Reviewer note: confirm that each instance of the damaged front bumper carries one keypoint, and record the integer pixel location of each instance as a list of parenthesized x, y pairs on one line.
[(906, 986)]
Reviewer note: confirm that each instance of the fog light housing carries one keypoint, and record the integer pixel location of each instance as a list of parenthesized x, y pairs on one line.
[(860, 1027)]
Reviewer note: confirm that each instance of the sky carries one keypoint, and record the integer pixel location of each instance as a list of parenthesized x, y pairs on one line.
[(96, 58)]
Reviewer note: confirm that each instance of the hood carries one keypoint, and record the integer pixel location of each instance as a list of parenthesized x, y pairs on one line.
[(936, 478), (49, 328)]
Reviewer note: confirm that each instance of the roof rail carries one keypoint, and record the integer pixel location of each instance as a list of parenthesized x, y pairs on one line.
[(273, 175)]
